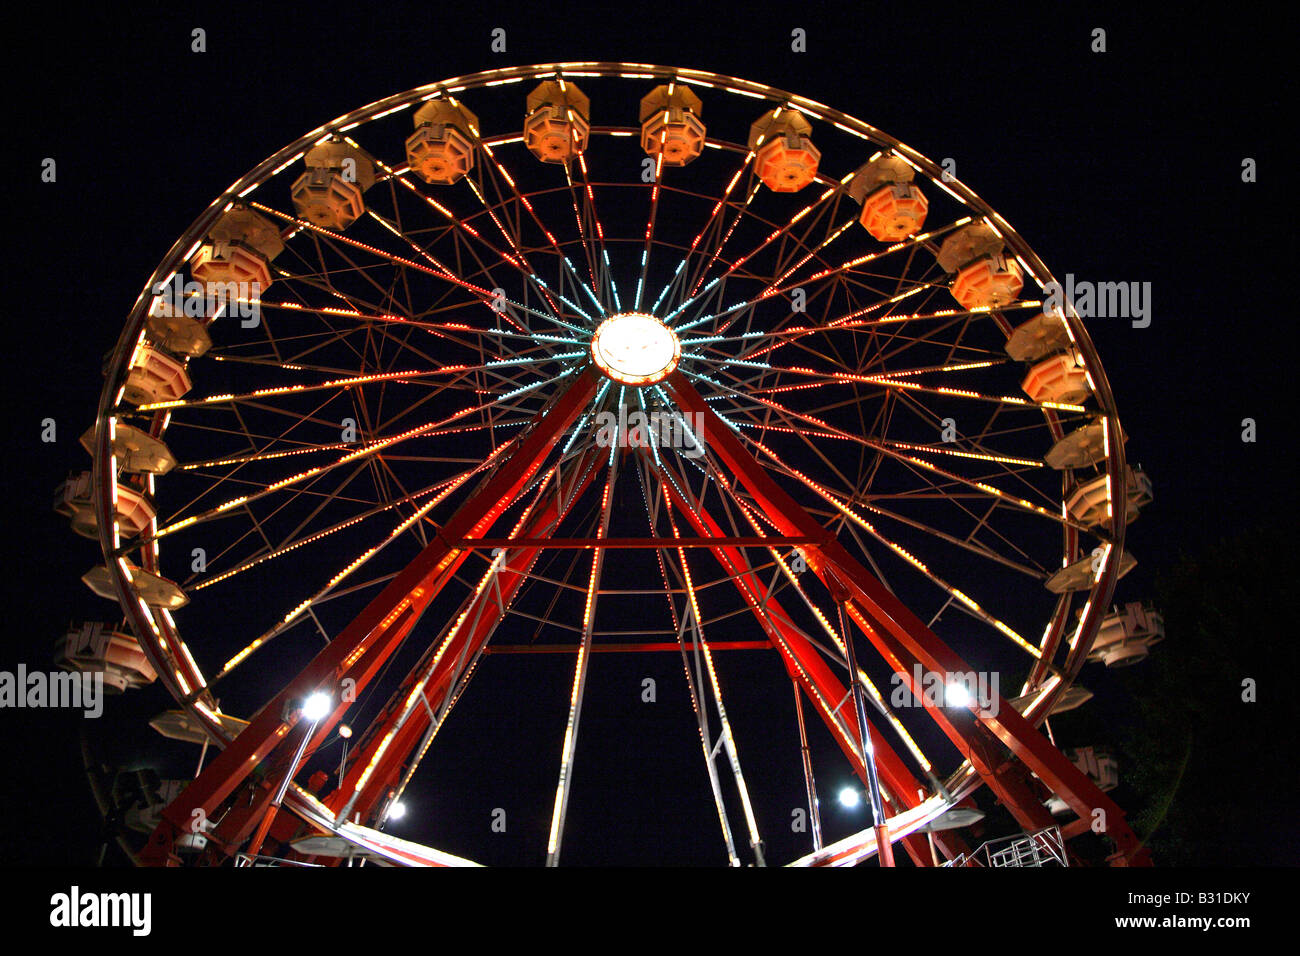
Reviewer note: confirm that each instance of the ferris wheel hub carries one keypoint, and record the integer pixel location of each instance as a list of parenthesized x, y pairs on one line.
[(636, 349)]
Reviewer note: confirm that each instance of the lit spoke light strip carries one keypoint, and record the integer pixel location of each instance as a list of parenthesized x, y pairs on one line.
[(777, 233), (441, 271), (588, 246), (455, 690), (749, 157), (579, 683), (831, 431), (485, 297), (516, 260), (417, 693), (911, 241), (839, 231), (434, 327), (309, 449), (701, 716), (829, 709), (523, 200), (728, 739), (263, 456), (419, 514), (317, 536), (531, 274), (595, 219), (851, 322), (595, 404), (834, 635), (351, 456), (717, 249), (960, 393), (908, 556), (321, 386), (650, 226), (774, 288), (980, 456)]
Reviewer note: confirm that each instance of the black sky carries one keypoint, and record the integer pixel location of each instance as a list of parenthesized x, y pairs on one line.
[(1122, 166)]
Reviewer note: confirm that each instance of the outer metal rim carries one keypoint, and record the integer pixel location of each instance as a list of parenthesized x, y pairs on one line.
[(1103, 586)]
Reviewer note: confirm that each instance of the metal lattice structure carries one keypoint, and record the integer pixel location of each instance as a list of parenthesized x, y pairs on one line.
[(1044, 848)]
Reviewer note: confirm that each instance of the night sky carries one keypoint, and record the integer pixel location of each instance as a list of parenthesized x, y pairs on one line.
[(1119, 166)]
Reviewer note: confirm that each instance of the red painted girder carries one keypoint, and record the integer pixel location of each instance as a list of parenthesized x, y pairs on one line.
[(902, 638), (806, 666), (373, 629), (510, 579)]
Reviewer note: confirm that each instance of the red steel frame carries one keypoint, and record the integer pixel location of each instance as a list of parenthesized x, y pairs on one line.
[(1003, 746), (359, 650), (470, 641), (903, 640)]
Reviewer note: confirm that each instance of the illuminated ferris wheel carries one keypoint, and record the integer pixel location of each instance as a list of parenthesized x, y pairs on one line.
[(624, 359)]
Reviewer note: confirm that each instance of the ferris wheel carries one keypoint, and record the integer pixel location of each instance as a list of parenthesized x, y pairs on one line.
[(624, 359)]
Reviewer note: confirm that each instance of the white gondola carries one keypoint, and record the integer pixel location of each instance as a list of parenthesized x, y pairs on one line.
[(94, 647), (985, 276), (329, 193), (1081, 447), (1080, 575), (1088, 501), (953, 819), (441, 150), (893, 207), (136, 450), (177, 332), (1040, 336), (239, 250), (145, 813), (153, 589), (182, 725), (1073, 697), (74, 499), (786, 159), (558, 124), (1126, 635)]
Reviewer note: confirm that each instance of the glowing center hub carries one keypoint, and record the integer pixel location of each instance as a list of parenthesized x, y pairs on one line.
[(635, 349)]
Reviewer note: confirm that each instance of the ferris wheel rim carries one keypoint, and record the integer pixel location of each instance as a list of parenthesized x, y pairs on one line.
[(171, 264)]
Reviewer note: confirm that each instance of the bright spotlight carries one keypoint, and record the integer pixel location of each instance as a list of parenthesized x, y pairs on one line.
[(316, 707), (849, 797), (397, 811), (957, 695), (345, 731)]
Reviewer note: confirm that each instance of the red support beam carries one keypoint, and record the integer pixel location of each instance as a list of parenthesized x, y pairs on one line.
[(510, 579), (903, 640), (808, 669), (373, 631)]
